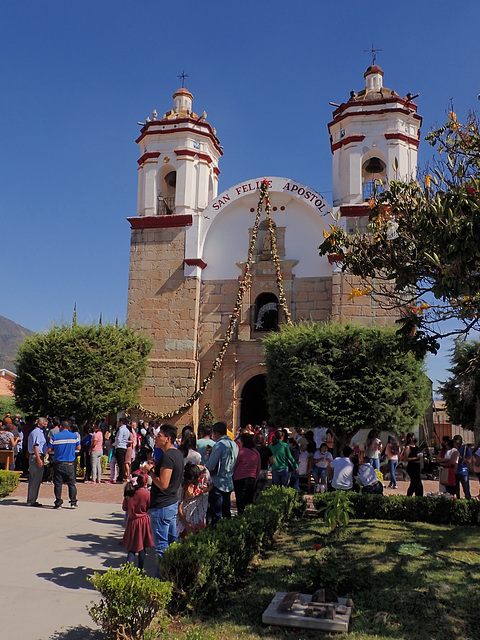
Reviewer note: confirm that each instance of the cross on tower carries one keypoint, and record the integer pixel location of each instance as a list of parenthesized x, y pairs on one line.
[(373, 51), (182, 77)]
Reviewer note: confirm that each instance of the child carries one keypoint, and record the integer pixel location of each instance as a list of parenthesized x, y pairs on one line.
[(138, 535), (193, 499), (321, 460)]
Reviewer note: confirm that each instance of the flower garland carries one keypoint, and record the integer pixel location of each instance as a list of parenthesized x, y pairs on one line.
[(245, 284)]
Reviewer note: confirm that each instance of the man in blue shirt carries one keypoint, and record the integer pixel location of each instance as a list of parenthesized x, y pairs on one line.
[(221, 463), (37, 448), (64, 445), (120, 444)]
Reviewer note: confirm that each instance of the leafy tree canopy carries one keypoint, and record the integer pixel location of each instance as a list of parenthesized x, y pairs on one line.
[(83, 370), (422, 254), (344, 377), (461, 391)]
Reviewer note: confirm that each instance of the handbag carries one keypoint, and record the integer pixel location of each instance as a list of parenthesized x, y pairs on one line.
[(447, 476)]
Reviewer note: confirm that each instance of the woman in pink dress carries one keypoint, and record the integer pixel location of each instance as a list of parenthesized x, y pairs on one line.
[(138, 535)]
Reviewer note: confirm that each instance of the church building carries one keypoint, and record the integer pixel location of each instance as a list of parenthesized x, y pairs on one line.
[(189, 247)]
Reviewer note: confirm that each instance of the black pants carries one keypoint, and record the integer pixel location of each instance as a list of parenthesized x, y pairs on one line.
[(120, 456), (244, 492), (416, 486), (64, 473)]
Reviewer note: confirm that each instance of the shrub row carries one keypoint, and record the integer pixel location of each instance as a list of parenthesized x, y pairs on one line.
[(412, 509), (203, 565), (8, 482)]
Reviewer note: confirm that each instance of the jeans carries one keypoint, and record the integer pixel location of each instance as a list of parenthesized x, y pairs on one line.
[(163, 522), (64, 472), (295, 480), (375, 462), (280, 477), (218, 505), (463, 480), (320, 474), (376, 488), (392, 465)]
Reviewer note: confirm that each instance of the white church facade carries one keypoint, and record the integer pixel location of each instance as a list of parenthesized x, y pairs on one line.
[(189, 247)]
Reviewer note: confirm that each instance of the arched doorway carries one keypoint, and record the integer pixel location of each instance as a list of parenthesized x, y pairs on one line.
[(254, 401)]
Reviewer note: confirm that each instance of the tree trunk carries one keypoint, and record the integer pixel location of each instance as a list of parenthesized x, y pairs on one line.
[(476, 426)]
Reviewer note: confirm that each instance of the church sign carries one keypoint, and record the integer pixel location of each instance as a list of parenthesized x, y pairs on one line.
[(275, 185)]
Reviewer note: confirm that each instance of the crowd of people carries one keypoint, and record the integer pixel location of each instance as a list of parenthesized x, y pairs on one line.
[(176, 484)]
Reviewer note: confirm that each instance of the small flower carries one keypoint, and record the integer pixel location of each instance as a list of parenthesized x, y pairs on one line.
[(471, 190), (427, 179), (317, 547)]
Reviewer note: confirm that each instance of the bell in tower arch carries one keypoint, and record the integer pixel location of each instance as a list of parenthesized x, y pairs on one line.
[(374, 165)]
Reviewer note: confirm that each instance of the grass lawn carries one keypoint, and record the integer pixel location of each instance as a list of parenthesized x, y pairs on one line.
[(426, 578)]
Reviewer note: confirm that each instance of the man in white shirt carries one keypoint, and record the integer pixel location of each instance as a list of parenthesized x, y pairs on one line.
[(342, 470)]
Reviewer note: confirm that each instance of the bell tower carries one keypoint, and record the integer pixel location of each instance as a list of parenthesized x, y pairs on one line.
[(177, 178), (374, 138)]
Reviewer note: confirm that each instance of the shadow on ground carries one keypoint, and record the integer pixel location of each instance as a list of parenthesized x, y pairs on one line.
[(78, 633), (69, 577)]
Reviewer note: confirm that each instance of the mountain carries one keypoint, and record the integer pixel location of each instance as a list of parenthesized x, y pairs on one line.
[(11, 336)]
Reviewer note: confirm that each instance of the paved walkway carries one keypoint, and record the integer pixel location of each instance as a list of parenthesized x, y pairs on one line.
[(48, 554)]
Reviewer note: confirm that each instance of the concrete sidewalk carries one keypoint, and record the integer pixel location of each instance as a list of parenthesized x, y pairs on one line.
[(46, 557)]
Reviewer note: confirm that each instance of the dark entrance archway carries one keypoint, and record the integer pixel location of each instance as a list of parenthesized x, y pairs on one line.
[(254, 401)]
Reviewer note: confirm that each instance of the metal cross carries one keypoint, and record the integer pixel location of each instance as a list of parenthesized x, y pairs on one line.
[(373, 51), (184, 75)]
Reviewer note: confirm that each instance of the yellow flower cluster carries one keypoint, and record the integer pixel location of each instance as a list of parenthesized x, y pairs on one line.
[(356, 293)]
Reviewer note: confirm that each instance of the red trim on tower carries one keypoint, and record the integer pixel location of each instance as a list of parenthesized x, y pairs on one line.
[(152, 128), (161, 222), (348, 140), (363, 103), (354, 210), (401, 136), (193, 154), (335, 257), (369, 113), (147, 156), (216, 171), (195, 262)]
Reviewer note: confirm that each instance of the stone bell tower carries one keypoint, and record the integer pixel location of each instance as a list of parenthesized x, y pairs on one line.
[(177, 178), (374, 138)]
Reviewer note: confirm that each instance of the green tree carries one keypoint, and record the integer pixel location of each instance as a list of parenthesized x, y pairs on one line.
[(344, 377), (83, 370), (421, 254), (461, 391)]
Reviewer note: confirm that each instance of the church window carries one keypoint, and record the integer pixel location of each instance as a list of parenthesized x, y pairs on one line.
[(166, 195), (266, 312)]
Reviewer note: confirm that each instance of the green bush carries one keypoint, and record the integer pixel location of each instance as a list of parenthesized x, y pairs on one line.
[(202, 566), (411, 508), (130, 601), (336, 509), (8, 482), (103, 462)]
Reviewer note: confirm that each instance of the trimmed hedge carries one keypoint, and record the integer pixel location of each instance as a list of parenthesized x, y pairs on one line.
[(412, 509), (8, 482), (205, 564)]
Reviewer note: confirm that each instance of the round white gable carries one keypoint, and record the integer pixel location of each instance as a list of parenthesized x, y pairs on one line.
[(223, 233)]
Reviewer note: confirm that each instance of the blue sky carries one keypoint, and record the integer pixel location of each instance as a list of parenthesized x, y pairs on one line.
[(79, 74)]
